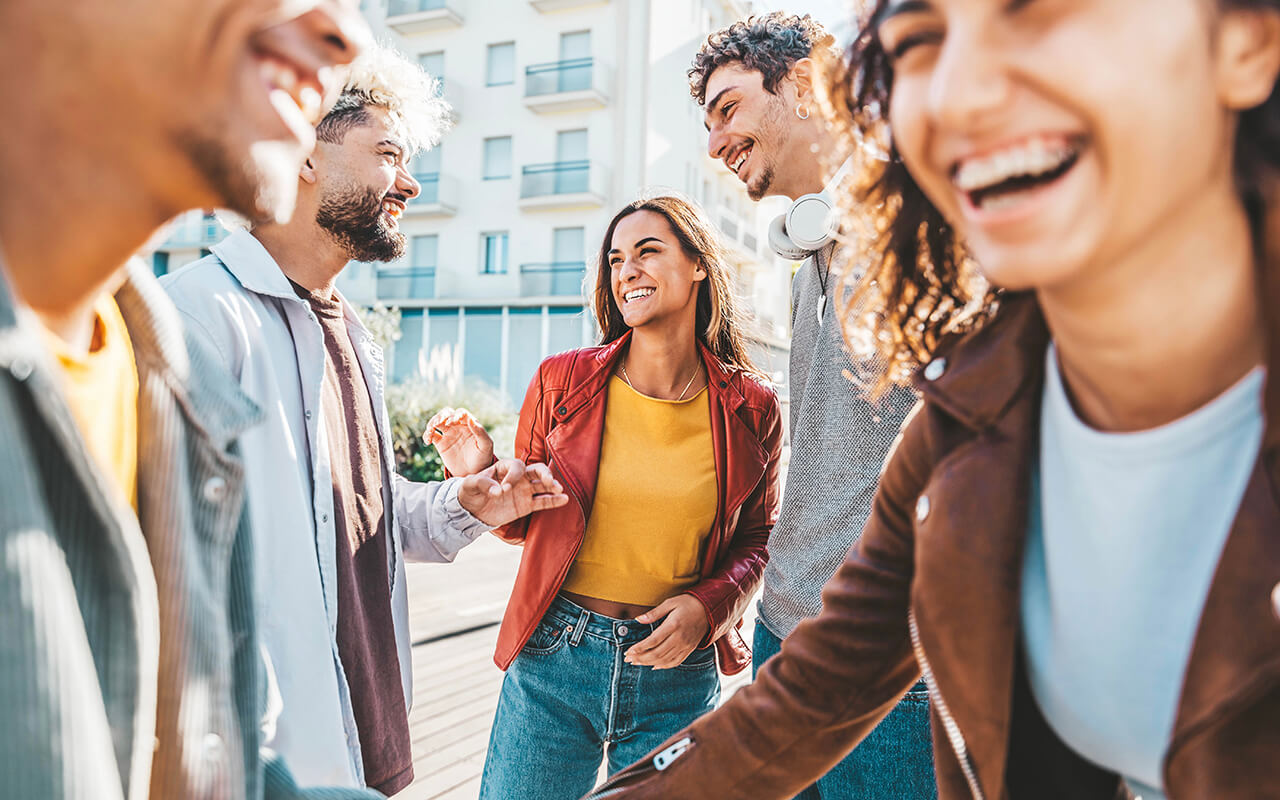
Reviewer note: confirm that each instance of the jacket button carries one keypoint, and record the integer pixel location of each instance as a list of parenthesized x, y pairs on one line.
[(724, 384), (215, 489), (562, 411), (934, 369), (922, 507), (21, 369), (1275, 600)]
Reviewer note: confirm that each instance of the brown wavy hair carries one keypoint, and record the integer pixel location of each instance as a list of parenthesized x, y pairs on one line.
[(911, 266), (719, 320), (770, 44)]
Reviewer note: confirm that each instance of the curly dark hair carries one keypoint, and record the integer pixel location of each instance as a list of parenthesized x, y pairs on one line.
[(917, 273), (770, 43)]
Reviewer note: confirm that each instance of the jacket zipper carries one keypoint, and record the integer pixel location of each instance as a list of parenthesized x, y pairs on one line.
[(948, 722)]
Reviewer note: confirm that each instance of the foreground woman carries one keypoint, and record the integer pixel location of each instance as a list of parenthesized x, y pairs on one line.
[(1077, 540), (668, 442)]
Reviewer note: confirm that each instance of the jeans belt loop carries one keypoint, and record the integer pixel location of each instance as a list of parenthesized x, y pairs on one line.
[(580, 628)]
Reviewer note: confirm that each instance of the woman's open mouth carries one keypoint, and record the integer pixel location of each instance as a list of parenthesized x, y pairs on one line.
[(1000, 180)]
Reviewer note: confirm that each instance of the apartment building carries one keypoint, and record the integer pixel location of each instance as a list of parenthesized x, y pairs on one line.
[(564, 111)]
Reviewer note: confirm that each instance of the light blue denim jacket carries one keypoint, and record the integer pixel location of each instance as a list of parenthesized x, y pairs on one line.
[(130, 665)]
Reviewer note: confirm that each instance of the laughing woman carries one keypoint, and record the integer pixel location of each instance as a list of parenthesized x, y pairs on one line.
[(1077, 539), (668, 441)]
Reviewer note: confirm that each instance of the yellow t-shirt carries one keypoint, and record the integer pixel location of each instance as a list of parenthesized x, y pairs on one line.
[(655, 502), (101, 387)]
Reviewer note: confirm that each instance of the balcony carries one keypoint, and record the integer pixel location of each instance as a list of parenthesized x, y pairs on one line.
[(406, 283), (547, 6), (577, 84), (418, 16), (556, 279), (195, 231), (438, 197), (562, 185)]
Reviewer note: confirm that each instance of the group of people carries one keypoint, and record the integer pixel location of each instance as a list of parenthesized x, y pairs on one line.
[(1051, 228)]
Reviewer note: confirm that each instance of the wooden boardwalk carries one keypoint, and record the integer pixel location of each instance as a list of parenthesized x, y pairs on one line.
[(454, 611)]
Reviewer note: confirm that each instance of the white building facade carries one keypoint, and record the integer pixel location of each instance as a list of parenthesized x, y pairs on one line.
[(564, 111)]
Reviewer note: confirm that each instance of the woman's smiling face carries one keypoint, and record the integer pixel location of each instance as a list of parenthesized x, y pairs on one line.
[(651, 276), (1058, 136)]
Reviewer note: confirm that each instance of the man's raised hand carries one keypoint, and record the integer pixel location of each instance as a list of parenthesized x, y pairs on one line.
[(508, 490)]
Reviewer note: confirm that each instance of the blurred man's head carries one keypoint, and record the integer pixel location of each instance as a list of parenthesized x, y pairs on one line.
[(205, 102), (755, 81), (358, 183)]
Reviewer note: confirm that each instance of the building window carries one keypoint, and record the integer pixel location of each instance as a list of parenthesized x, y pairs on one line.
[(160, 263), (493, 256), (500, 68), (497, 158), (433, 63)]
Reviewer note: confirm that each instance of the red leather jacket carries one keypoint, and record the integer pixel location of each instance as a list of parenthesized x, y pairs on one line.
[(561, 423)]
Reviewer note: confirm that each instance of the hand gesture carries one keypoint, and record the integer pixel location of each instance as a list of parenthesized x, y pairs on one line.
[(509, 490), (678, 635), (464, 445)]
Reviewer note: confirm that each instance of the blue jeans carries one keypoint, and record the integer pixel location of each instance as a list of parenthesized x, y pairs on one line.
[(894, 762), (569, 699)]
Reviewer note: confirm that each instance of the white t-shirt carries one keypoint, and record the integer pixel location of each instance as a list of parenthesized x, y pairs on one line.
[(1124, 537)]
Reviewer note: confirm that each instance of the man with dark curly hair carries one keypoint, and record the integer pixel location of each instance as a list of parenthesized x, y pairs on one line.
[(755, 81)]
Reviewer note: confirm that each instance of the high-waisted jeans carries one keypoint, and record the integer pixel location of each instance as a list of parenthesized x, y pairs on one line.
[(894, 762), (569, 700)]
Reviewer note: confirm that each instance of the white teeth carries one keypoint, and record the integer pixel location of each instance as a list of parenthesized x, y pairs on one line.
[(636, 294), (740, 160), (1032, 158)]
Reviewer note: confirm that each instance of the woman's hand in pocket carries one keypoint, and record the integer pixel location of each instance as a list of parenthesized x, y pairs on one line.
[(684, 624)]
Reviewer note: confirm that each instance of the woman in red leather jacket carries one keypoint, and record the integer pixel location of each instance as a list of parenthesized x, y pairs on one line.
[(667, 441)]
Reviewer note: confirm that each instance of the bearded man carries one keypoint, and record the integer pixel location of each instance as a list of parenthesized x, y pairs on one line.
[(334, 523)]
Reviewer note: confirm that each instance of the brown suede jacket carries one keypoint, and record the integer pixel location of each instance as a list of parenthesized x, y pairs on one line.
[(932, 587)]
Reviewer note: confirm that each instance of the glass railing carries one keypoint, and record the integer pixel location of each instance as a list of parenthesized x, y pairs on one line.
[(396, 8), (430, 191), (196, 233), (559, 177), (406, 283), (557, 278), (572, 75)]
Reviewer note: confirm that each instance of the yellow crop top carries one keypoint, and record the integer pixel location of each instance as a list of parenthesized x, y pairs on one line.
[(655, 502)]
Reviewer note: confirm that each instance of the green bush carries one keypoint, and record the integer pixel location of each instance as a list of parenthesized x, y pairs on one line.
[(411, 404)]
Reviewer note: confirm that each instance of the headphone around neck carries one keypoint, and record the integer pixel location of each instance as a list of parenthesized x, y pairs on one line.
[(810, 223)]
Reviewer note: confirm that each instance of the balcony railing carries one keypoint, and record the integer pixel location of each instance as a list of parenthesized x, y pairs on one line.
[(398, 8), (558, 177), (573, 75), (416, 16), (195, 233), (430, 191), (406, 283), (575, 84), (556, 279)]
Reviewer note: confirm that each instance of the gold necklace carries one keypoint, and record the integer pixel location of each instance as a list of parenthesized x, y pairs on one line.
[(637, 391)]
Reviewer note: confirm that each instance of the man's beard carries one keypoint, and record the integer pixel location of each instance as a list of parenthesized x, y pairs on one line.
[(774, 134), (353, 216)]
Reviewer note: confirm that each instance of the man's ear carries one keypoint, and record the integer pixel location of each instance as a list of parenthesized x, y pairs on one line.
[(802, 74), (308, 171), (1248, 56)]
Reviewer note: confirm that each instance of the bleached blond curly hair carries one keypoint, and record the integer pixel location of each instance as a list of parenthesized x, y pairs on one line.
[(381, 77)]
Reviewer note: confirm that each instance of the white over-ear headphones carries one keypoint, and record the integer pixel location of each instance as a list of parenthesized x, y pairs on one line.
[(810, 223)]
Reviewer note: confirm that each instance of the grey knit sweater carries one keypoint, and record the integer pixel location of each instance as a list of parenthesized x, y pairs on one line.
[(838, 443)]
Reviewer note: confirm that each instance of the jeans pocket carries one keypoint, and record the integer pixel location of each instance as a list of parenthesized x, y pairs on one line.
[(700, 659), (546, 639)]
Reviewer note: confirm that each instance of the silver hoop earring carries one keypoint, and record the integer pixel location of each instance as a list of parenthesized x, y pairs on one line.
[(805, 115)]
